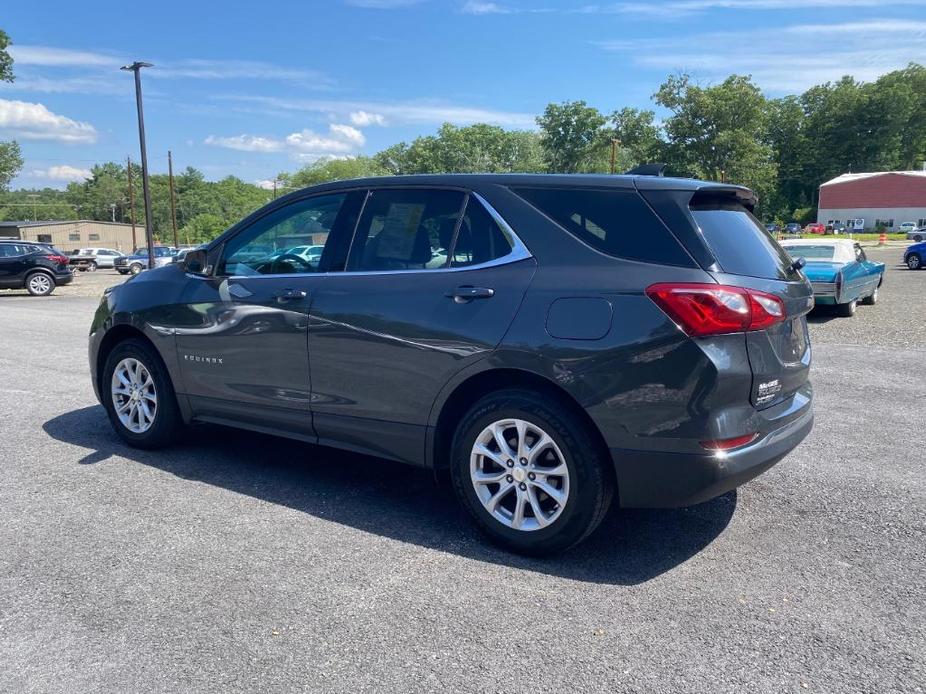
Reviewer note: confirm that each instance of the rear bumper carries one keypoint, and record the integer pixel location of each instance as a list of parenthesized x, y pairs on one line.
[(649, 479), (65, 278)]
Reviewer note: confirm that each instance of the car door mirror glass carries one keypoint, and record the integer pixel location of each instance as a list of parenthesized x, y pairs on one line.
[(195, 262)]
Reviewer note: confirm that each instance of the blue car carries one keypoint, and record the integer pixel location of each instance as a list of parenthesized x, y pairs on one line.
[(841, 274), (914, 256), (138, 261)]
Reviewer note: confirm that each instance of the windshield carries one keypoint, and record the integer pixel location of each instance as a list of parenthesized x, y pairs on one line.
[(811, 253)]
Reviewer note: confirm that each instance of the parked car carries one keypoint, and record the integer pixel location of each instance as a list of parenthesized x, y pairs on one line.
[(840, 272), (815, 228), (138, 261), (93, 258), (907, 228), (772, 228), (915, 256), (553, 362), (793, 228), (916, 234), (836, 229), (36, 267)]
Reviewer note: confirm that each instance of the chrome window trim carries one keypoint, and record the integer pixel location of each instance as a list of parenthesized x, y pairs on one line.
[(518, 253)]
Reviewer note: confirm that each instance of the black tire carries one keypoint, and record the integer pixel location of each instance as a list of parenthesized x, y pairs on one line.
[(40, 283), (92, 266), (136, 268), (872, 298), (123, 272), (591, 484), (846, 310), (167, 422), (918, 238), (914, 262)]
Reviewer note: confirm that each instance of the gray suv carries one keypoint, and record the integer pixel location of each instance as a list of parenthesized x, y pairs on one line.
[(554, 343)]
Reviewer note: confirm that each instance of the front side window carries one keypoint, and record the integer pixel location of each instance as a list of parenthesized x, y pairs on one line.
[(406, 230), (277, 244)]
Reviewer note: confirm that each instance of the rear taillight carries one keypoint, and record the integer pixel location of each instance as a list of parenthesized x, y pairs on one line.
[(715, 309), (729, 444), (58, 259)]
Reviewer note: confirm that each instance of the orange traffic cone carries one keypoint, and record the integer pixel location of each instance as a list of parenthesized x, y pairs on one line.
[(882, 239)]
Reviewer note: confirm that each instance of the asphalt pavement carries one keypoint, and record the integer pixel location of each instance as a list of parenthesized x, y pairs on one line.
[(234, 562)]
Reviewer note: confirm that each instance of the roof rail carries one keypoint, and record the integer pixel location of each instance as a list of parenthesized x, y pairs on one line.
[(647, 170)]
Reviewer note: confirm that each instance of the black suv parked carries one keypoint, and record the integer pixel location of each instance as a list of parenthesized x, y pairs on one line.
[(37, 267), (552, 341)]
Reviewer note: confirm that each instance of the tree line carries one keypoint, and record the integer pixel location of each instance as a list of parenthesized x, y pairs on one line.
[(783, 148)]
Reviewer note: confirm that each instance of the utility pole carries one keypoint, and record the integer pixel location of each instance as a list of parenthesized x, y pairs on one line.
[(149, 233), (35, 213), (274, 189), (614, 143), (128, 167), (173, 208)]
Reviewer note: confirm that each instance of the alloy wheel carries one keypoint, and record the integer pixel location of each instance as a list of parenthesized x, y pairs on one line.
[(135, 398), (519, 474), (39, 283)]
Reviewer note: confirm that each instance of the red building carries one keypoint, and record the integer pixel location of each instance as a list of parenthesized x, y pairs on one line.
[(890, 197)]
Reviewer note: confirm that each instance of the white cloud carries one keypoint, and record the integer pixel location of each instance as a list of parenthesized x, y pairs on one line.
[(60, 57), (348, 133), (478, 7), (403, 113), (364, 119), (304, 145), (31, 121), (265, 184), (245, 143), (62, 172), (865, 50), (234, 69)]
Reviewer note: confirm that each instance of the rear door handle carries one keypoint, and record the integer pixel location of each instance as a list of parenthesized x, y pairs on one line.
[(465, 294), (289, 295)]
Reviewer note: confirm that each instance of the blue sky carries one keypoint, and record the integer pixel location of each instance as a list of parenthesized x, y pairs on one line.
[(252, 90)]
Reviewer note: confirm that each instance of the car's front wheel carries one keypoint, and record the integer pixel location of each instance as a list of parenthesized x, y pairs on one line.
[(40, 284), (914, 262), (136, 268), (529, 472), (139, 397)]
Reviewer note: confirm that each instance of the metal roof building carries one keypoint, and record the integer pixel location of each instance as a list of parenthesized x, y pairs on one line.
[(891, 197), (73, 234)]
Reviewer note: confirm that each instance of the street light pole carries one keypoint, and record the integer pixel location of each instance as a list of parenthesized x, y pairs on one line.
[(149, 233)]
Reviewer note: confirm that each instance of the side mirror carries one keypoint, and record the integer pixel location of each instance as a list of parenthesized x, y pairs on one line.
[(195, 261)]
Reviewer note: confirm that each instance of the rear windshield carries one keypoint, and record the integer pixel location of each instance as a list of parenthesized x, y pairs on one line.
[(616, 222), (811, 252), (739, 242)]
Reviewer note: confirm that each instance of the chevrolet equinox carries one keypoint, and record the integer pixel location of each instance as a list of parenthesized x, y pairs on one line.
[(551, 342)]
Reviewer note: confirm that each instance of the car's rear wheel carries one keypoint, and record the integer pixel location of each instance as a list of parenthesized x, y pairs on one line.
[(136, 268), (92, 266), (914, 262), (847, 310), (529, 472), (40, 284), (139, 397), (918, 238), (872, 298)]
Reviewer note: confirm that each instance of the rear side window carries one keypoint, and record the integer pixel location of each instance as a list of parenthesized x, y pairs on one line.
[(480, 239), (738, 241), (616, 222)]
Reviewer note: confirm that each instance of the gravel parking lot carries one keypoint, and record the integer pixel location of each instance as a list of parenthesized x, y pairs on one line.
[(236, 562)]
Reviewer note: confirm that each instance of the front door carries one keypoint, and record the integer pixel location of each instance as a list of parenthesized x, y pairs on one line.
[(241, 333), (12, 264), (432, 284)]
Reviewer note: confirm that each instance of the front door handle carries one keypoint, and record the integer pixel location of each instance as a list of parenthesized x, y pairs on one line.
[(465, 294), (289, 295)]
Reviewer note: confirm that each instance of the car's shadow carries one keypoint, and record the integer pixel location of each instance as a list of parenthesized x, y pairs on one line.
[(398, 501)]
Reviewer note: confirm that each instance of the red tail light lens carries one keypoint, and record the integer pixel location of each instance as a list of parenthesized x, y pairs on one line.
[(716, 309), (59, 259)]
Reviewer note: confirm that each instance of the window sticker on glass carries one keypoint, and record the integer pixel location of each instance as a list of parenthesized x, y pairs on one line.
[(400, 228)]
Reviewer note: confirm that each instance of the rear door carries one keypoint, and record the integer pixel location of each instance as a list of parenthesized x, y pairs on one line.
[(432, 283), (748, 256)]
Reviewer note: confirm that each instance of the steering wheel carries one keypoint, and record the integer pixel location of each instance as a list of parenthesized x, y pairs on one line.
[(269, 266)]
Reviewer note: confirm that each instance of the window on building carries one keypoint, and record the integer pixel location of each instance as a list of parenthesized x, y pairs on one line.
[(75, 236), (921, 223), (94, 237), (44, 238)]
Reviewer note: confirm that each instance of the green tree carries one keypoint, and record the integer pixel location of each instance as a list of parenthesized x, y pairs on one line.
[(333, 170), (11, 160), (640, 138), (202, 228), (718, 132), (574, 138)]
